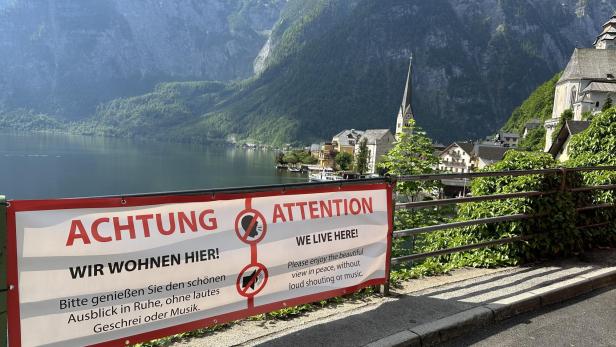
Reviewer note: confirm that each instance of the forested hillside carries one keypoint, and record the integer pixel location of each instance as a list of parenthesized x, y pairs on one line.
[(325, 65)]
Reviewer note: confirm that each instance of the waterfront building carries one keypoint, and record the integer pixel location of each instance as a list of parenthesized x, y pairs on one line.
[(379, 142), (346, 140)]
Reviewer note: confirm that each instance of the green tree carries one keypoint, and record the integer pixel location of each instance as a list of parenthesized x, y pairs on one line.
[(291, 158), (361, 159), (596, 147), (280, 158), (608, 104), (344, 160), (412, 154)]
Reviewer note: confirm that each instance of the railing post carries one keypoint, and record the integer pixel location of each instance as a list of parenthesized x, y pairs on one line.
[(563, 183), (3, 287), (384, 288)]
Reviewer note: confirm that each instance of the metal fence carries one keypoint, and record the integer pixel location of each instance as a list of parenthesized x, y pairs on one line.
[(562, 172)]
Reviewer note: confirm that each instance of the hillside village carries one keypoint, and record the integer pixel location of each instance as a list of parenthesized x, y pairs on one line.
[(587, 86)]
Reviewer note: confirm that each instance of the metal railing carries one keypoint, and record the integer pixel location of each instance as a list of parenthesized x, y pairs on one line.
[(562, 172)]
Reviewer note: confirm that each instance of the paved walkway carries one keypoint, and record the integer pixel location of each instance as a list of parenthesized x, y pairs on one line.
[(431, 310)]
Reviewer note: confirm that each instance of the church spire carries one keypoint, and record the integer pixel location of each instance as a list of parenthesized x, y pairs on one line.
[(408, 89), (406, 109)]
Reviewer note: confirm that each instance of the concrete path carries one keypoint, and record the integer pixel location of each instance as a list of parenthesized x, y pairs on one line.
[(432, 310), (586, 321)]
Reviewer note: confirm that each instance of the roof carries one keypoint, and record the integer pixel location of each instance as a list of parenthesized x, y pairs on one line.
[(590, 63), (611, 21), (504, 134), (571, 128), (374, 134), (490, 153), (608, 87), (532, 124), (345, 136), (466, 147)]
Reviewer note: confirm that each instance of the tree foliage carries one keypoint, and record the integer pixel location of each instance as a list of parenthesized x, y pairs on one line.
[(344, 160), (553, 232), (412, 154), (608, 103), (596, 147), (362, 156)]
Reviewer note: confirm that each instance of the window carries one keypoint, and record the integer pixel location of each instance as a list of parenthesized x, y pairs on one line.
[(597, 104)]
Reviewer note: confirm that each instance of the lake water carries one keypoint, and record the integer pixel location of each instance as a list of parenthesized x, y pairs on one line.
[(35, 166)]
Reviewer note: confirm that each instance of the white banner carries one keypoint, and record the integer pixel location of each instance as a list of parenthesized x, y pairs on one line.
[(157, 266)]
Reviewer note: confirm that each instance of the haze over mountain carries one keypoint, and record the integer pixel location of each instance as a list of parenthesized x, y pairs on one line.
[(321, 65)]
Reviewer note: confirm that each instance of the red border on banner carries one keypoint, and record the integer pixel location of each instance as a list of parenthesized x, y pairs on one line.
[(14, 326)]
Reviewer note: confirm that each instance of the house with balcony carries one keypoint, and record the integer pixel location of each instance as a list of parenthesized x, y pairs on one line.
[(457, 158)]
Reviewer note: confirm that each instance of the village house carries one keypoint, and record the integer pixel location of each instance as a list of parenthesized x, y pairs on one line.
[(327, 154), (485, 154), (587, 82), (346, 140), (379, 142), (560, 147), (508, 139), (530, 125), (457, 158)]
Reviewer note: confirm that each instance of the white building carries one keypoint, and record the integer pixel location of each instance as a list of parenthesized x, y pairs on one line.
[(457, 158), (379, 142), (588, 80)]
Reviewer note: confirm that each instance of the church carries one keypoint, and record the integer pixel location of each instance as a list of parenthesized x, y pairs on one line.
[(587, 82)]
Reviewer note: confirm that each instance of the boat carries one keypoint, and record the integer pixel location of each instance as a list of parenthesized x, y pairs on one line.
[(324, 176), (294, 169)]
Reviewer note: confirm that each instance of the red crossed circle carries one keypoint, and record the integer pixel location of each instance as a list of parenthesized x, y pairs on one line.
[(244, 234), (259, 269)]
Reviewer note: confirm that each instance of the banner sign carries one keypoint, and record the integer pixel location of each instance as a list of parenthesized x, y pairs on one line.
[(116, 271)]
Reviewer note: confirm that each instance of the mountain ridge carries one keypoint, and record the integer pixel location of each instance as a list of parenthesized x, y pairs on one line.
[(342, 65)]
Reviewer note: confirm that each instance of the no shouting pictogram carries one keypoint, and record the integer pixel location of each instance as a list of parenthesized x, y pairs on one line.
[(251, 280), (250, 226)]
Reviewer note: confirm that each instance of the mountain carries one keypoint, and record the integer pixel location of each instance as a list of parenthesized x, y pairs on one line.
[(63, 57), (539, 106), (326, 65)]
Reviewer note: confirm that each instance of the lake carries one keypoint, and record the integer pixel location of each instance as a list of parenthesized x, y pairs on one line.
[(36, 166)]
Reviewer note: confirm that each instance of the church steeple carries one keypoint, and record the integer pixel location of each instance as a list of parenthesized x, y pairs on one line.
[(607, 38), (406, 109)]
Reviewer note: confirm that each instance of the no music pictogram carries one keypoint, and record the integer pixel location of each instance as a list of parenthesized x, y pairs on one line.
[(250, 226), (251, 280)]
